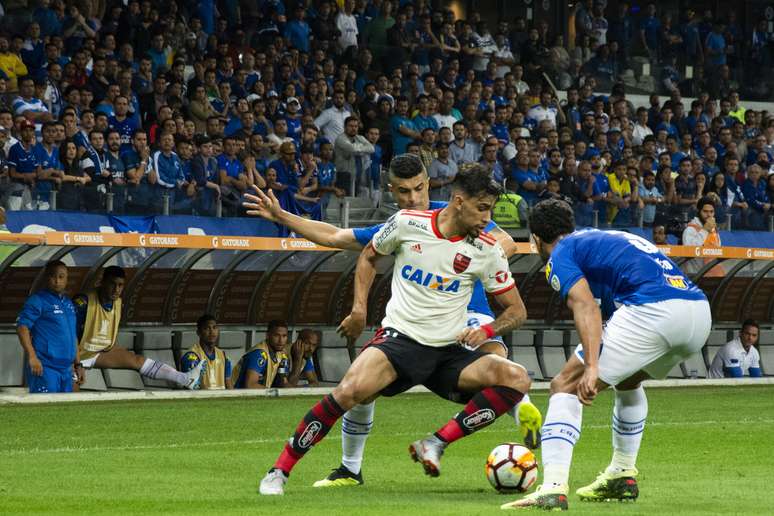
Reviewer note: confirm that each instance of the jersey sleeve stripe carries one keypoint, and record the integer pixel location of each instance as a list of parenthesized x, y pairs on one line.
[(503, 290)]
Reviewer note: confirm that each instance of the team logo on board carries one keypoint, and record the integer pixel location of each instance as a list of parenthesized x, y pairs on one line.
[(461, 263)]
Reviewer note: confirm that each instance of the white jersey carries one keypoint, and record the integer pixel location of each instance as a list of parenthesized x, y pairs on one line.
[(433, 277), (733, 355)]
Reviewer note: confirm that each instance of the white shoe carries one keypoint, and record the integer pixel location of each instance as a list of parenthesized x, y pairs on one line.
[(195, 376), (428, 452), (273, 483)]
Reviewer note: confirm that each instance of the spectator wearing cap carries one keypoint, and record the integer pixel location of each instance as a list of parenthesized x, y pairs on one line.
[(351, 151), (331, 121), (293, 118), (23, 169)]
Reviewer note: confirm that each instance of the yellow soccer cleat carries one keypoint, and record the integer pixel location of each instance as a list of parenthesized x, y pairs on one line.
[(341, 477), (620, 486), (548, 499), (530, 421)]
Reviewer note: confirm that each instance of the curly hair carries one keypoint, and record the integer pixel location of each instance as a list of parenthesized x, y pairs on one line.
[(406, 166), (550, 219), (475, 181)]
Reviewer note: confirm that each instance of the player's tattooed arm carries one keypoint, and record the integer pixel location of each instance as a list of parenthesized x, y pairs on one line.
[(352, 326), (268, 207), (512, 317)]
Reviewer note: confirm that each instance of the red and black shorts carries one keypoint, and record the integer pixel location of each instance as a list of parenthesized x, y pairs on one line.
[(437, 368)]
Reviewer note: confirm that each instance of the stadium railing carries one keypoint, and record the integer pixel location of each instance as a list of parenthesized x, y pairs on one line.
[(247, 281)]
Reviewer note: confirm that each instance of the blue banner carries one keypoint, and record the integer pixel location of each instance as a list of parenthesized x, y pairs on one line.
[(42, 221)]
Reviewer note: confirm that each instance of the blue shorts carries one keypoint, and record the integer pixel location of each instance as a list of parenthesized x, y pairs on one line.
[(52, 380)]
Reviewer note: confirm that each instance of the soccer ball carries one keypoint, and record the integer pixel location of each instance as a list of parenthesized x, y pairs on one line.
[(511, 467)]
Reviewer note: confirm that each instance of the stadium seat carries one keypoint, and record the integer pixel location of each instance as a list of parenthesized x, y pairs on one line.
[(333, 363), (126, 340), (523, 352), (94, 381), (123, 379), (695, 363), (158, 346), (11, 361), (766, 350), (552, 351)]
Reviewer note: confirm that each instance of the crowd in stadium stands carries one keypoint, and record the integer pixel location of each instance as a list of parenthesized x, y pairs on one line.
[(63, 338), (182, 107)]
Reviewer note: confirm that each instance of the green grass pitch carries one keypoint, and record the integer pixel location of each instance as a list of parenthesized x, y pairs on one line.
[(705, 451)]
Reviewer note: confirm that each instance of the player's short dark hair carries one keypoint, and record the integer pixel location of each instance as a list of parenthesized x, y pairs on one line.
[(114, 271), (274, 324), (406, 166), (475, 182), (550, 219), (51, 266), (750, 322), (704, 201), (202, 321)]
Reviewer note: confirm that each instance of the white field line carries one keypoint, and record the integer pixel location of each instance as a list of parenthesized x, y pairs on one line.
[(217, 444), (16, 395)]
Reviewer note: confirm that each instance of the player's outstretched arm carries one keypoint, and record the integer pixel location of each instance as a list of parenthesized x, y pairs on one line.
[(268, 207), (588, 322), (352, 326)]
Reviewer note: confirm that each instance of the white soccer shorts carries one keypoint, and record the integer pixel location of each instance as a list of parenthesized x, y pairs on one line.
[(653, 337)]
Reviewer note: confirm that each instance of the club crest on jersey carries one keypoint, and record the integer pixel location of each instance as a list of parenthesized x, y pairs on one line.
[(677, 282), (461, 263), (429, 280)]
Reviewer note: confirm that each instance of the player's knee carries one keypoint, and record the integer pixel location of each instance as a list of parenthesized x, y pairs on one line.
[(516, 377), (349, 393)]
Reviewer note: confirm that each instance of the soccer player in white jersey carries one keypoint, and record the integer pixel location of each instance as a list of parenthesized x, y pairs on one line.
[(655, 319), (438, 257), (409, 185)]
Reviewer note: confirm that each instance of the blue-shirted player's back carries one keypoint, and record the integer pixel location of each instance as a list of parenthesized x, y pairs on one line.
[(621, 269)]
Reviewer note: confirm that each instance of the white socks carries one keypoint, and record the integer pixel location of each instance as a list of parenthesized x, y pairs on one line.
[(355, 427), (161, 371), (629, 414), (561, 430)]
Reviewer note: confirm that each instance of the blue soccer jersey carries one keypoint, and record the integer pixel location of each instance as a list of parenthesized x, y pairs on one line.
[(478, 302), (621, 269)]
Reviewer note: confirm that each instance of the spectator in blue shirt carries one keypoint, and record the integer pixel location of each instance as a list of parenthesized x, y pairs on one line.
[(297, 31), (754, 190), (231, 175), (715, 46), (531, 182), (169, 170), (123, 122), (650, 31), (46, 330), (402, 129), (23, 168)]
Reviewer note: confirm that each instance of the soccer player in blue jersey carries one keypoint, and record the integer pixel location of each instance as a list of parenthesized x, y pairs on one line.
[(655, 319), (409, 184)]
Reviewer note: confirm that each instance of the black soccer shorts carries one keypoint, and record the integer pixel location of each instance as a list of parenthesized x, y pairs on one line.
[(437, 368)]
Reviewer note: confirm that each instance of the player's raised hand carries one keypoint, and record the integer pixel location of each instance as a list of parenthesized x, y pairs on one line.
[(472, 337), (263, 205), (352, 325)]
